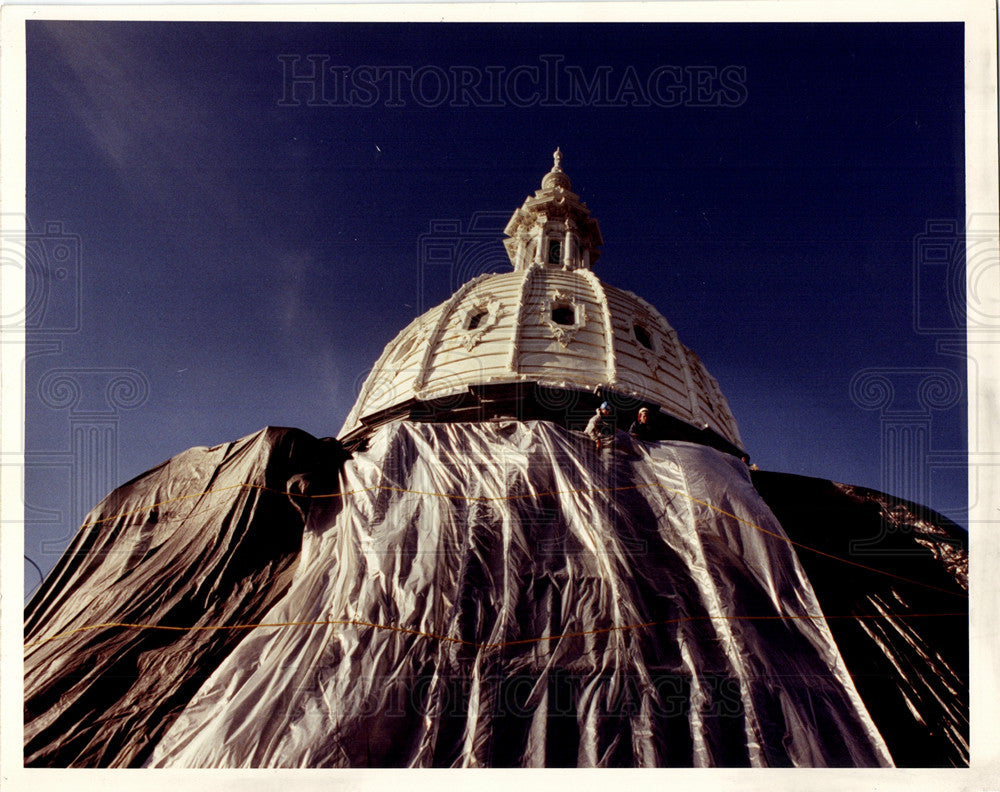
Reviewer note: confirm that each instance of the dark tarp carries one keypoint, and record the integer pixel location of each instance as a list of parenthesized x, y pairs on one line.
[(486, 594), (908, 650), (207, 538)]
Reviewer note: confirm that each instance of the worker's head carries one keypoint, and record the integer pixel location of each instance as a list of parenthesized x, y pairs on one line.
[(605, 408), (643, 414)]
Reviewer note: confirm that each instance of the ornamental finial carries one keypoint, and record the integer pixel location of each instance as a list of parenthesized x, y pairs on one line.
[(557, 159)]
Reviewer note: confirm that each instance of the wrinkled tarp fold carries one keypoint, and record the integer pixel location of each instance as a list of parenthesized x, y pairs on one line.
[(496, 594), (209, 538), (898, 610), (499, 594)]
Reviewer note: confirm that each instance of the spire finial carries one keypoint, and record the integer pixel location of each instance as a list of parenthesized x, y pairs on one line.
[(555, 178)]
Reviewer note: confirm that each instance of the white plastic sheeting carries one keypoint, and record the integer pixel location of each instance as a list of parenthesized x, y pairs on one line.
[(500, 594), (126, 628)]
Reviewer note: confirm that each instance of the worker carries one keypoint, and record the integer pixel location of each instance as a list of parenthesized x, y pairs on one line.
[(641, 429), (601, 428)]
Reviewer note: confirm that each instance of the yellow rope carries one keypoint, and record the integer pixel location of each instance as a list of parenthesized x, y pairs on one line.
[(553, 493), (474, 644)]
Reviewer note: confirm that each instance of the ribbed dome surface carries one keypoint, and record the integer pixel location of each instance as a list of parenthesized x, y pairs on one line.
[(506, 328), (552, 322)]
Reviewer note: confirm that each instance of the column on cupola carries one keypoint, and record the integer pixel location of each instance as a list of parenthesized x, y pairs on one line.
[(541, 248), (522, 249), (568, 244)]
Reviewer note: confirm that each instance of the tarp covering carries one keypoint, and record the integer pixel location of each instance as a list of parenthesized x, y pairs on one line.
[(500, 594), (208, 538), (892, 577)]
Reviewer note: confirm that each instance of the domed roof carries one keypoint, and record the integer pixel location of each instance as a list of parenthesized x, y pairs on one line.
[(551, 322)]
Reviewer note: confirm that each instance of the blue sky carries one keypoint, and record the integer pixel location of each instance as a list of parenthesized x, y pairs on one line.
[(243, 245)]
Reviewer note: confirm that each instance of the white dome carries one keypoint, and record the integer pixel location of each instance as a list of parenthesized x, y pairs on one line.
[(551, 322)]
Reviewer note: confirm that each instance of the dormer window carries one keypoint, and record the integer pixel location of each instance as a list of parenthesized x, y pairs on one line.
[(564, 314), (642, 336), (479, 319), (476, 318), (404, 348), (554, 250)]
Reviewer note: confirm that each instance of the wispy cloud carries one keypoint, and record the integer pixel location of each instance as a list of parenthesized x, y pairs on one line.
[(169, 134), (146, 122)]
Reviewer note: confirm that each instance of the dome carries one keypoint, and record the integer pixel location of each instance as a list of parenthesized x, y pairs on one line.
[(550, 323)]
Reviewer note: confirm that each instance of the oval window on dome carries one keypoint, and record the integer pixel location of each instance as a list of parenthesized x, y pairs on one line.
[(642, 336), (564, 314), (476, 319), (404, 348)]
